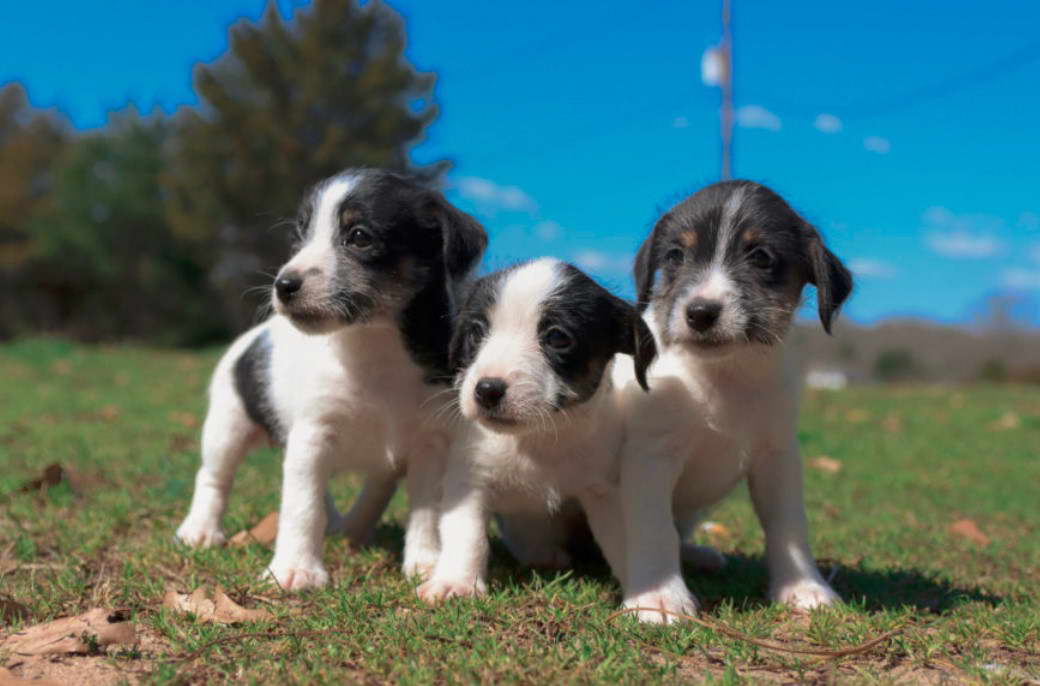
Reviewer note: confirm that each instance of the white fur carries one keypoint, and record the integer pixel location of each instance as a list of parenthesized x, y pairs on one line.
[(351, 399), (709, 423), (525, 472)]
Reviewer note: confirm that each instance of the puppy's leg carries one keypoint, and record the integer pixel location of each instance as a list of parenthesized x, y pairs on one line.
[(421, 538), (535, 539), (605, 515), (462, 565), (359, 523), (297, 562), (654, 577), (775, 482), (227, 435)]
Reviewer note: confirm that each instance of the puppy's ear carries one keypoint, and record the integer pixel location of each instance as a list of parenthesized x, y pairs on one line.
[(464, 239), (646, 266), (832, 280), (635, 339)]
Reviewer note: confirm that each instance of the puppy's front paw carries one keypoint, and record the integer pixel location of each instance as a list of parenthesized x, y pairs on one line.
[(805, 594), (296, 577), (670, 602), (419, 563), (200, 535), (437, 590)]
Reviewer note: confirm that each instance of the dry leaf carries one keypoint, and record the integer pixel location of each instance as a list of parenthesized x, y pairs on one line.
[(53, 474), (83, 633), (185, 419), (264, 532), (857, 416), (715, 530), (892, 423), (826, 464), (215, 608), (11, 609), (109, 413), (1009, 420), (9, 679), (61, 367), (968, 529)]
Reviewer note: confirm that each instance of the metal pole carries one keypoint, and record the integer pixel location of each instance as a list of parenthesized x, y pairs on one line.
[(726, 68)]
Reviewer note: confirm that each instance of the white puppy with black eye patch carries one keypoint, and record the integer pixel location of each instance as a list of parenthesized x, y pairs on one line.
[(720, 278), (535, 344), (349, 374)]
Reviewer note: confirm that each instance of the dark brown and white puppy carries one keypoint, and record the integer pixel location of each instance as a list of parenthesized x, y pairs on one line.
[(535, 345), (349, 374), (720, 278)]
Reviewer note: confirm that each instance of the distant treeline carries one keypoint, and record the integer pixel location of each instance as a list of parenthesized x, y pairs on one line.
[(154, 228)]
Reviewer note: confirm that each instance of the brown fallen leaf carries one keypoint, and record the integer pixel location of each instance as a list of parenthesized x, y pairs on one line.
[(1009, 420), (716, 530), (185, 419), (892, 423), (9, 679), (109, 413), (11, 609), (264, 532), (215, 608), (826, 464), (967, 528), (83, 633), (857, 416), (52, 475)]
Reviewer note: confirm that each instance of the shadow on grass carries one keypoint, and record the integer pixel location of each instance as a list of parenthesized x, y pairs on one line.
[(744, 582)]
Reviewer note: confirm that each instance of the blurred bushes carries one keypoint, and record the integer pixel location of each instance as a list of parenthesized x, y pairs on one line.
[(153, 228)]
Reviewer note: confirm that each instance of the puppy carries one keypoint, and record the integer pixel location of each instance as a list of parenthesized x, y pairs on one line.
[(534, 345), (348, 373), (719, 279)]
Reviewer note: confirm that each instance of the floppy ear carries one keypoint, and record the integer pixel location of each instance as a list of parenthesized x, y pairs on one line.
[(832, 280), (635, 339), (464, 238), (645, 266)]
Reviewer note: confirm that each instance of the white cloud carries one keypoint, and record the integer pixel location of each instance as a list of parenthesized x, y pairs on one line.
[(871, 268), (1022, 279), (711, 67), (599, 261), (962, 236), (757, 117), (877, 144), (680, 122), (828, 123), (548, 230), (492, 197)]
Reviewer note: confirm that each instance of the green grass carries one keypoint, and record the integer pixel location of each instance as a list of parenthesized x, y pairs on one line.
[(914, 461)]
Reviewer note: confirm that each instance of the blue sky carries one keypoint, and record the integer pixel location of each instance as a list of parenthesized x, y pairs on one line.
[(572, 124)]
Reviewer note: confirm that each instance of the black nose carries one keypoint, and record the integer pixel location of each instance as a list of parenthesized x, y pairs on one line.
[(287, 285), (701, 315), (489, 392)]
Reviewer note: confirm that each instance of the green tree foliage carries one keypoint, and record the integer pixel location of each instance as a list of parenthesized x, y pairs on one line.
[(105, 262), (31, 143), (290, 103), (897, 364)]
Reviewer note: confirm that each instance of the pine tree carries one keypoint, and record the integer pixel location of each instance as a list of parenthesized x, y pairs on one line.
[(290, 103)]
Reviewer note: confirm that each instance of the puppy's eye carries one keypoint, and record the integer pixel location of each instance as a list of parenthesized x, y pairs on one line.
[(558, 339), (675, 257), (761, 258), (358, 237)]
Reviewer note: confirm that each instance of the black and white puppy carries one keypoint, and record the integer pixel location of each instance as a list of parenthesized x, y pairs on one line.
[(720, 278), (348, 373), (534, 345)]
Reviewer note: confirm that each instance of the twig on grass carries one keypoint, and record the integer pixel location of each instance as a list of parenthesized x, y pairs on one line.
[(769, 645)]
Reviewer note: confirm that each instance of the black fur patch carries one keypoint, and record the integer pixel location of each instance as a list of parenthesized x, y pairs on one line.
[(252, 382)]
